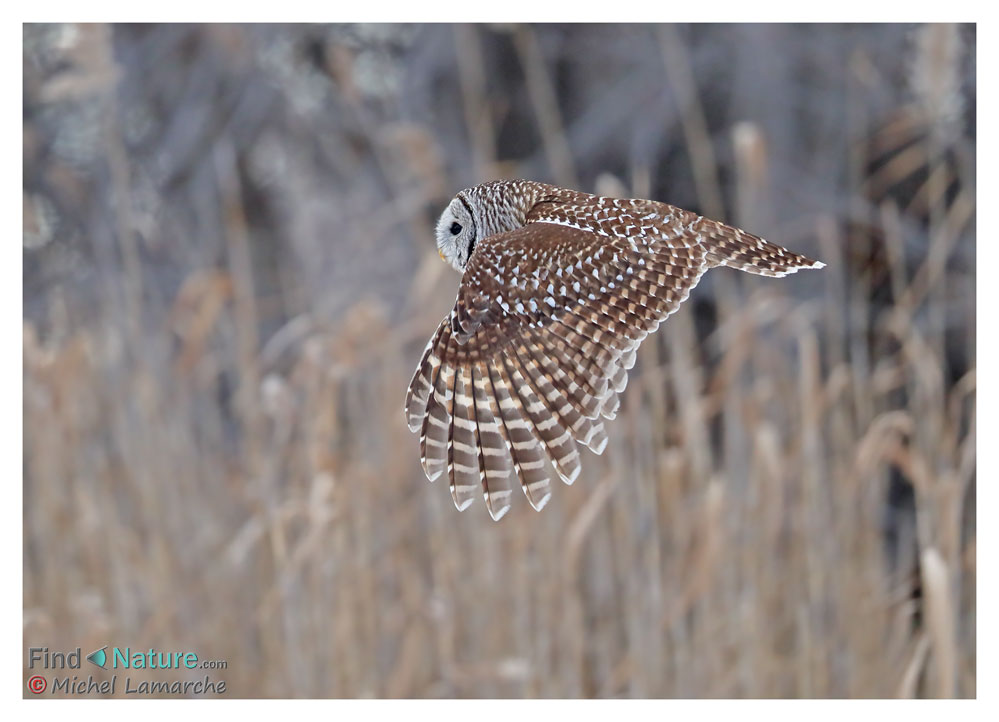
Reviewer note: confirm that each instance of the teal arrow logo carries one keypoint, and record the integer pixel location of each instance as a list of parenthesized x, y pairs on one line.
[(99, 657)]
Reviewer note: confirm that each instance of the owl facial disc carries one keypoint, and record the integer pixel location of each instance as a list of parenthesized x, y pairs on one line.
[(456, 234)]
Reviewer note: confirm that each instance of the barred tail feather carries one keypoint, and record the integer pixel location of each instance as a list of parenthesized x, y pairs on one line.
[(732, 247)]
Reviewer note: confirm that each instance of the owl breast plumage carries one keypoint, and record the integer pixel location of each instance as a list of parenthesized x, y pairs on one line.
[(558, 289)]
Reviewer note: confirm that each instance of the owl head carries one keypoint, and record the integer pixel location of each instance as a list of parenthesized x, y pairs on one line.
[(456, 233), (482, 211)]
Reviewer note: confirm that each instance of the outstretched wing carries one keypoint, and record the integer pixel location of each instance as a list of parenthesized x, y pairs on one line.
[(545, 327)]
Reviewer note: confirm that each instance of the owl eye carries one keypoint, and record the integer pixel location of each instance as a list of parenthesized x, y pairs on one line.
[(455, 228)]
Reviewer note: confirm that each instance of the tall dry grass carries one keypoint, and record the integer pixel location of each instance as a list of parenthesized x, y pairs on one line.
[(215, 457)]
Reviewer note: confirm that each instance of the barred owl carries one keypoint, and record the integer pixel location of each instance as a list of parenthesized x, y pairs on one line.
[(558, 289)]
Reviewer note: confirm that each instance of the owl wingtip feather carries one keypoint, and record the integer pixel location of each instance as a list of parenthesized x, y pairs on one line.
[(498, 513), (539, 504)]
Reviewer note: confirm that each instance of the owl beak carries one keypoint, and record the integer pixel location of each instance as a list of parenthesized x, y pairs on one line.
[(441, 254)]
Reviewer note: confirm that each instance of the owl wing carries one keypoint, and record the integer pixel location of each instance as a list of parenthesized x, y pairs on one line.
[(545, 326)]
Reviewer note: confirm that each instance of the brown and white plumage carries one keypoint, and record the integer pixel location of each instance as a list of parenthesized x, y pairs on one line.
[(558, 289)]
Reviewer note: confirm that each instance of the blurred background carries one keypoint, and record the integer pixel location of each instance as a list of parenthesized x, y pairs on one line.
[(229, 276)]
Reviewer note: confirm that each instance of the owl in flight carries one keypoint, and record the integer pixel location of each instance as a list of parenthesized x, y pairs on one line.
[(558, 289)]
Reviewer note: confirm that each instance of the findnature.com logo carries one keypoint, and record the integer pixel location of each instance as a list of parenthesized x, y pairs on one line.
[(121, 658)]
